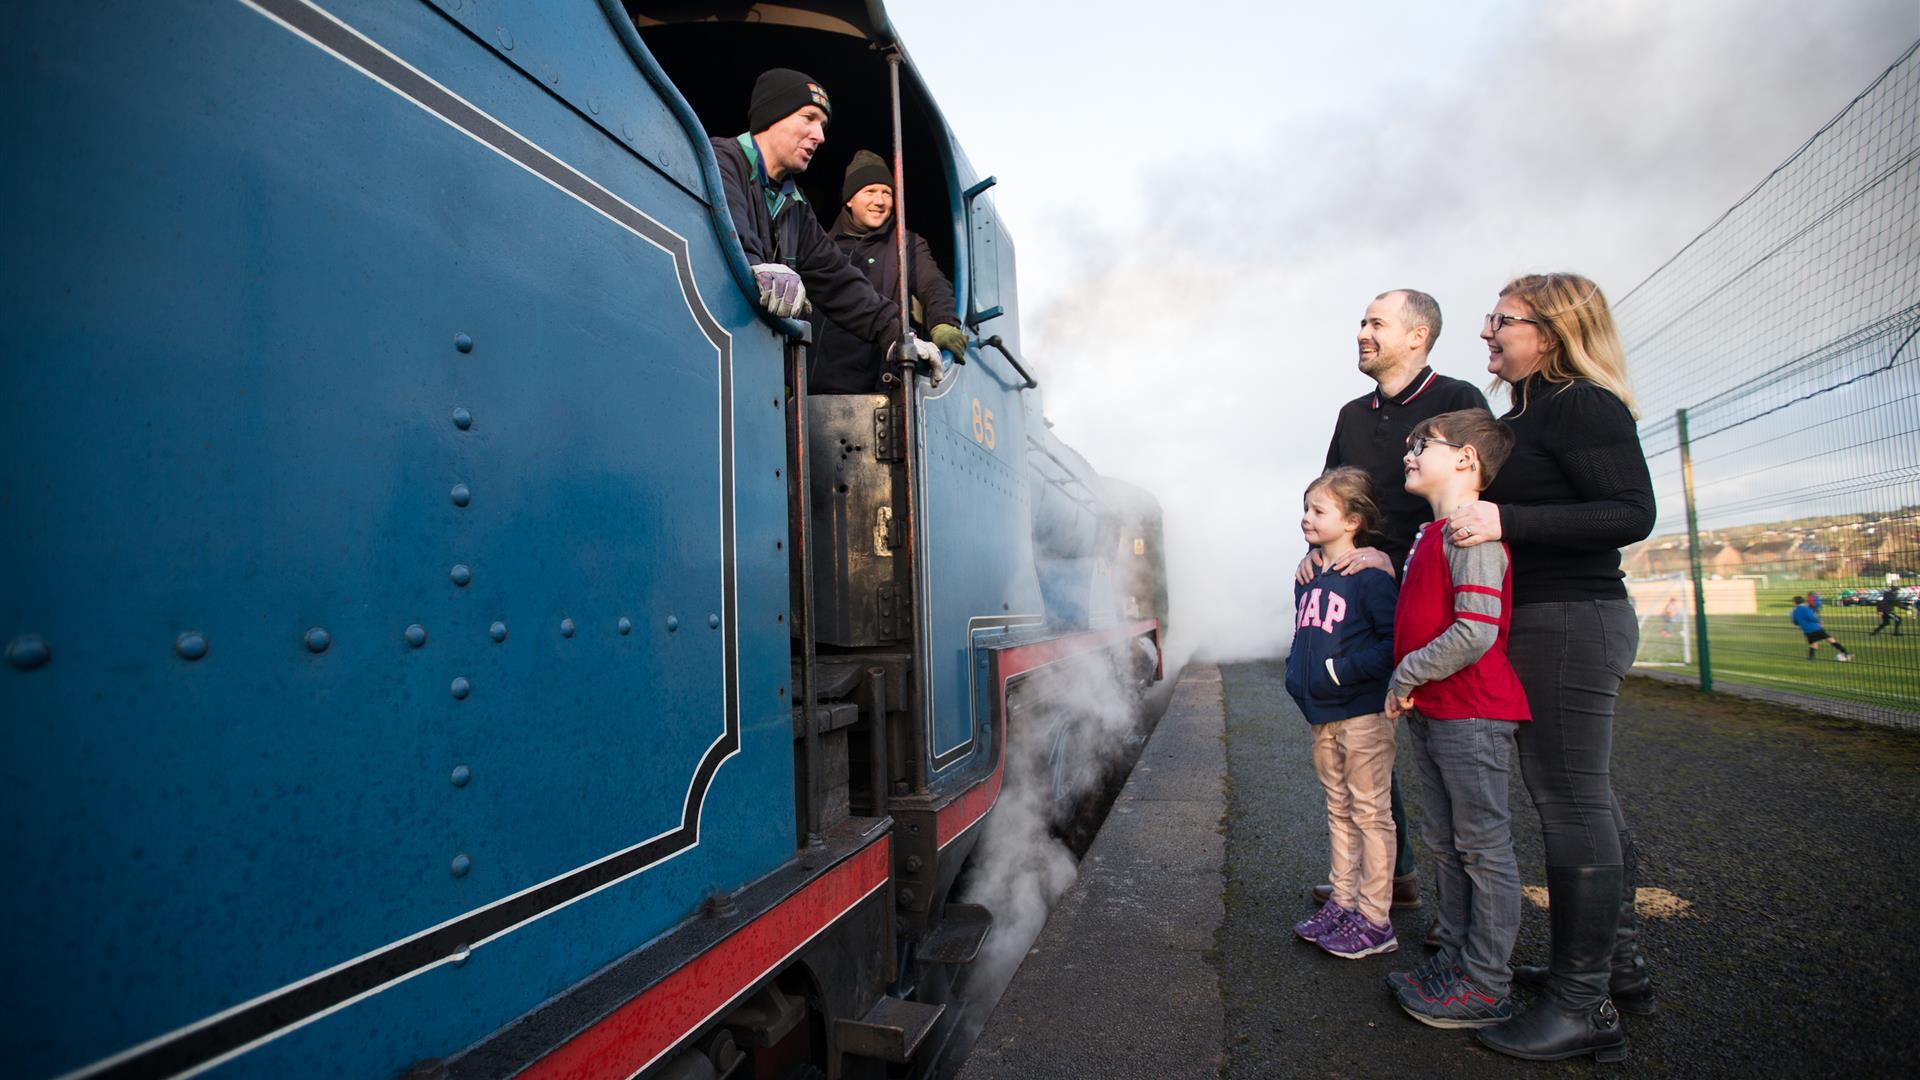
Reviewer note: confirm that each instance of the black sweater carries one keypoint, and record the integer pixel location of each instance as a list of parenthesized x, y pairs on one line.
[(1574, 492), (1372, 434)]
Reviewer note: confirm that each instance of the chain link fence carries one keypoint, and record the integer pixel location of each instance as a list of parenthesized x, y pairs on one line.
[(1774, 358)]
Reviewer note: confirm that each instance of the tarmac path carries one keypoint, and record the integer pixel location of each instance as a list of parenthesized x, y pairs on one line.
[(1778, 855)]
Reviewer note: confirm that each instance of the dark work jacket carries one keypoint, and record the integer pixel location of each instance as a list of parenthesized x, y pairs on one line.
[(842, 362), (795, 239), (1348, 620)]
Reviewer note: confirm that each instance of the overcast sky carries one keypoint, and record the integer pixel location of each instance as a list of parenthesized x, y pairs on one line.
[(1205, 196)]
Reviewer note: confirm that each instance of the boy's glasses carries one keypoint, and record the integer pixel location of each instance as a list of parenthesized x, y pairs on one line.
[(1419, 443)]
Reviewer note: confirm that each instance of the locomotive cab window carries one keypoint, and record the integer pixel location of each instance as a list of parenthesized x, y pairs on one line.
[(714, 64)]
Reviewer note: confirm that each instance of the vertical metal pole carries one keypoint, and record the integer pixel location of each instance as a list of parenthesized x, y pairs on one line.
[(899, 204), (799, 475), (1693, 551), (910, 456), (877, 738)]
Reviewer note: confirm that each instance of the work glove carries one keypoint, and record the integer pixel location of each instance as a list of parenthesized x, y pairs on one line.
[(781, 292), (951, 338), (927, 353)]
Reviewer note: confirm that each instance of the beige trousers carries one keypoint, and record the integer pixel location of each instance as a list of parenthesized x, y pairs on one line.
[(1354, 760)]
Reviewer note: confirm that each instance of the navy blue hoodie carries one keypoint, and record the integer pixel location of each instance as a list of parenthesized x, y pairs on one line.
[(1348, 620)]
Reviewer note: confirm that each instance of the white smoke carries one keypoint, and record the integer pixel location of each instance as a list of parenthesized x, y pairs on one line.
[(1072, 725)]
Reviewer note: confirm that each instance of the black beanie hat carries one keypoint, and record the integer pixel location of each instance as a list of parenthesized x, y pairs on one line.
[(867, 168), (779, 93)]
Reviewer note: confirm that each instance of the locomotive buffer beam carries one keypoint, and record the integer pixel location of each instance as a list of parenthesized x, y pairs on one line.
[(891, 1031)]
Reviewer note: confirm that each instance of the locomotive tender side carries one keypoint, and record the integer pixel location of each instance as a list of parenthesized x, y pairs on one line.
[(402, 670)]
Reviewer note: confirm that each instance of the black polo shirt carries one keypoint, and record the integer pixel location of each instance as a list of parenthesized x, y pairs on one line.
[(1372, 434)]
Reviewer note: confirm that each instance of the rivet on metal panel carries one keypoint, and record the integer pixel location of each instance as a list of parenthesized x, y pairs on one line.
[(553, 76), (460, 495), (462, 419), (28, 651), (593, 105), (673, 623), (506, 39), (713, 622), (625, 625), (780, 616), (191, 645), (318, 639), (776, 474), (461, 774), (782, 692), (459, 957), (461, 574), (566, 627), (416, 635), (463, 342), (626, 132), (498, 631), (461, 688), (461, 864), (906, 897)]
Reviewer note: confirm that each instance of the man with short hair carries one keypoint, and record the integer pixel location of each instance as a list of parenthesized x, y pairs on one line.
[(1396, 335), (792, 259)]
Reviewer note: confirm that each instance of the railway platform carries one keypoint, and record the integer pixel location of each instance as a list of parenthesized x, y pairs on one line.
[(1778, 851)]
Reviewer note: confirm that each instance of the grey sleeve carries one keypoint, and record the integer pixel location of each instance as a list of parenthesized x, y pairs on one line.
[(1478, 572)]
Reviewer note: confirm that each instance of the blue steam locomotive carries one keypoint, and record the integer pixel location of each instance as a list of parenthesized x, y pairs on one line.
[(440, 640)]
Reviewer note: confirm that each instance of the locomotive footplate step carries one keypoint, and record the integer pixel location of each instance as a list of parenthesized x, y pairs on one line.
[(957, 941), (891, 1031)]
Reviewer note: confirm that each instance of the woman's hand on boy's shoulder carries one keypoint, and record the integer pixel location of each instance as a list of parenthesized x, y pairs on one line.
[(1474, 523)]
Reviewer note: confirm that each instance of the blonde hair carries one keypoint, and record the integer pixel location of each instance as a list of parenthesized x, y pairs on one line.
[(1578, 325), (1352, 491)]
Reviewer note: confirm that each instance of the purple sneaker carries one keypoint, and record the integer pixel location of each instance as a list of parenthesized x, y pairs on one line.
[(1357, 937), (1324, 921)]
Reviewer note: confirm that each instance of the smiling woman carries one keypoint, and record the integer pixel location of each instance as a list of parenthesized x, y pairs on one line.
[(1574, 491)]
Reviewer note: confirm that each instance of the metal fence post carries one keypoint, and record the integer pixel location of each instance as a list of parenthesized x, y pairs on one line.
[(1693, 552)]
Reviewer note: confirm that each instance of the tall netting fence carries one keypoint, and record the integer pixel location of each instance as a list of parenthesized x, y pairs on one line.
[(1778, 354)]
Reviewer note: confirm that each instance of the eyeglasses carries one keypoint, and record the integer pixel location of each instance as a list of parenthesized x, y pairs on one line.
[(1498, 320), (1419, 443)]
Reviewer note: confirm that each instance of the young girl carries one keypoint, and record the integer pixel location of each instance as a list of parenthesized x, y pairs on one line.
[(1337, 672)]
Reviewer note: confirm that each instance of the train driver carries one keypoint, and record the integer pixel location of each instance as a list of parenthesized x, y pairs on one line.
[(843, 364), (792, 258)]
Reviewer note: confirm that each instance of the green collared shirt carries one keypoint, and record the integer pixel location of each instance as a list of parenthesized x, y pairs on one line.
[(777, 198)]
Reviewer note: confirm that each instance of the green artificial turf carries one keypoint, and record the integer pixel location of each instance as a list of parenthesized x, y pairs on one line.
[(1767, 650)]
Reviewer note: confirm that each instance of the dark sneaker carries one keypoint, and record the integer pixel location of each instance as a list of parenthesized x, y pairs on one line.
[(1457, 1002), (1434, 971), (1322, 922), (1357, 936)]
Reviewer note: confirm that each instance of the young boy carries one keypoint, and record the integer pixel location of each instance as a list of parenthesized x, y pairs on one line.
[(1461, 698), (1808, 621)]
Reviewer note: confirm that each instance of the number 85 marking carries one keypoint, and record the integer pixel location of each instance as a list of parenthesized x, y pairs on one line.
[(982, 425)]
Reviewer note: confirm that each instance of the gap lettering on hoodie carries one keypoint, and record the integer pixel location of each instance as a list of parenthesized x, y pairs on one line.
[(1311, 615)]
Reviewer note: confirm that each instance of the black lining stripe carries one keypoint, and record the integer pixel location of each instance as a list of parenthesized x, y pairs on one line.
[(197, 1047)]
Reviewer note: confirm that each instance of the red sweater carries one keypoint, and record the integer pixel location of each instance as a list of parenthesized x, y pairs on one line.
[(1430, 604)]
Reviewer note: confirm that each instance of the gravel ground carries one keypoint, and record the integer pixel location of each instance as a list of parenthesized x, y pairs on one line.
[(1787, 946)]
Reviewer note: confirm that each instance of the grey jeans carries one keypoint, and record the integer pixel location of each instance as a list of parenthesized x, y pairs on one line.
[(1570, 658), (1464, 769)]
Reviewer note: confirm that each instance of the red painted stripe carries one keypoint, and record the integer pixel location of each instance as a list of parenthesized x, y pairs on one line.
[(638, 1033), (966, 810), (1484, 590)]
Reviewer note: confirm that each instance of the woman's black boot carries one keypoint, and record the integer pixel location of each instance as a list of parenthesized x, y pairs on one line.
[(1630, 985), (1574, 1016)]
